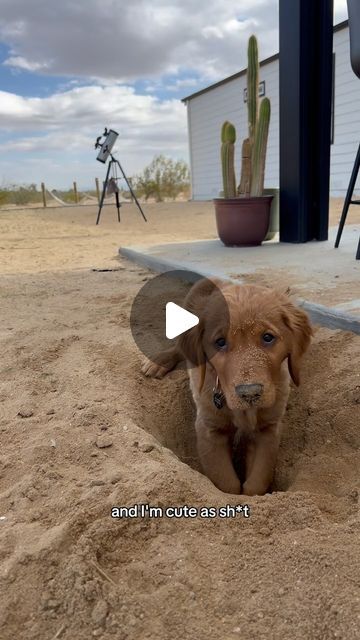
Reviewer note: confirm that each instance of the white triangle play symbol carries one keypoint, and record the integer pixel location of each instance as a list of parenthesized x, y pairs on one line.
[(178, 320)]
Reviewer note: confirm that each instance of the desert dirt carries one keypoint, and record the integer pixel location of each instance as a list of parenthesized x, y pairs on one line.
[(82, 431)]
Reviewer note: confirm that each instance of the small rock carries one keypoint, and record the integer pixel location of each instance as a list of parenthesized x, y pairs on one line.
[(281, 591), (103, 441), (99, 612), (51, 412), (354, 495), (115, 478), (146, 448), (236, 630), (51, 604), (97, 483), (25, 412)]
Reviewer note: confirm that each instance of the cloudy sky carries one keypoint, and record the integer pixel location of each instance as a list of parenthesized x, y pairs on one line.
[(69, 68)]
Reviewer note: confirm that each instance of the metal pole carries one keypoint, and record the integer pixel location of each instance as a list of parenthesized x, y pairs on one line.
[(306, 32), (130, 182), (97, 189), (131, 190), (118, 205), (103, 193), (348, 197)]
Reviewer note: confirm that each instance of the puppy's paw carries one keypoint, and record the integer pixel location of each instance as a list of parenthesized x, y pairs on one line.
[(254, 488), (235, 489), (153, 370), (230, 486)]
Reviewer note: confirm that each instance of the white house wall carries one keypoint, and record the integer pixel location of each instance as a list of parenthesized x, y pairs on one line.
[(207, 112)]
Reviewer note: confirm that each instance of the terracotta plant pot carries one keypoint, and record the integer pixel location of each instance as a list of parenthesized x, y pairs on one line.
[(242, 222)]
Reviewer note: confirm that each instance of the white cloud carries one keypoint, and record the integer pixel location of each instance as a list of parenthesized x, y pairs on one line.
[(182, 83), (123, 40), (126, 40), (65, 125), (89, 107), (18, 62)]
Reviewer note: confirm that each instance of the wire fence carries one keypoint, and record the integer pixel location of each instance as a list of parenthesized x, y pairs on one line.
[(29, 196)]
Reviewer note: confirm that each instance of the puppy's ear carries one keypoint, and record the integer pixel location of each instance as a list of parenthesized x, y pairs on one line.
[(300, 332), (199, 294), (190, 342), (190, 345)]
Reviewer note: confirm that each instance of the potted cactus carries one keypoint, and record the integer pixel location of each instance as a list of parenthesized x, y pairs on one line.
[(242, 215)]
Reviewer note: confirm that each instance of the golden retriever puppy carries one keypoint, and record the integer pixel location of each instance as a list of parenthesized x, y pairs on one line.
[(248, 343)]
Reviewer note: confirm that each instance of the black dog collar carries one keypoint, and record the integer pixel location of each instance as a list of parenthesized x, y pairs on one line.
[(218, 396)]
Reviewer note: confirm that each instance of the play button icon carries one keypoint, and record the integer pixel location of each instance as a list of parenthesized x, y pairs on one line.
[(161, 311), (178, 320)]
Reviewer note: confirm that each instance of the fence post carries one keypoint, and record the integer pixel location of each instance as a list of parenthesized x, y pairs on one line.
[(76, 193), (97, 189), (43, 194)]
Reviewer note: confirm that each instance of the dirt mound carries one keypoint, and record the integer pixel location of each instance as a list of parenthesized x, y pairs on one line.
[(82, 431)]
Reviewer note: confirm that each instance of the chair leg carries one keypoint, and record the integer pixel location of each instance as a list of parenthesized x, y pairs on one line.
[(348, 197), (358, 251)]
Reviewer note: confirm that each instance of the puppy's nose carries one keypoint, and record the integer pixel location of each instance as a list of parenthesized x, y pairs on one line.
[(249, 392)]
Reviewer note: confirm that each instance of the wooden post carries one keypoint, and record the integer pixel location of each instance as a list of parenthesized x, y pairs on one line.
[(43, 193), (97, 189), (76, 193)]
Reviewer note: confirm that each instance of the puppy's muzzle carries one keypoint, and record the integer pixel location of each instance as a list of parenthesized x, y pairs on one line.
[(250, 393)]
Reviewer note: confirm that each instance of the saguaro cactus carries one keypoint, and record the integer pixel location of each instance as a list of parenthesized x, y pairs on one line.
[(228, 138), (255, 144), (252, 87), (258, 152), (245, 178)]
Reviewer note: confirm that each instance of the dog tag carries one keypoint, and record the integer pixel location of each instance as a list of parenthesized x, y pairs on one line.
[(218, 399)]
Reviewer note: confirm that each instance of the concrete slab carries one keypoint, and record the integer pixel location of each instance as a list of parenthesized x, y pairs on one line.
[(327, 280)]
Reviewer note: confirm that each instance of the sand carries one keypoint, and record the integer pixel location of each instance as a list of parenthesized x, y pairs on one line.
[(82, 431)]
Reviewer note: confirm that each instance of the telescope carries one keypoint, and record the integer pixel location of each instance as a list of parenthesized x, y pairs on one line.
[(105, 143)]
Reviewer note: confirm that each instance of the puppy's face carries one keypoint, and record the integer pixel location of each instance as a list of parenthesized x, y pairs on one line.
[(247, 339)]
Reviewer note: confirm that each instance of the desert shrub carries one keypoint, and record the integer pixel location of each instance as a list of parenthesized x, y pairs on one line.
[(19, 194), (163, 178)]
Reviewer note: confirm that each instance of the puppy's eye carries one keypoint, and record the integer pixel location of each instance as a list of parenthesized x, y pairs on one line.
[(268, 338), (220, 343)]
